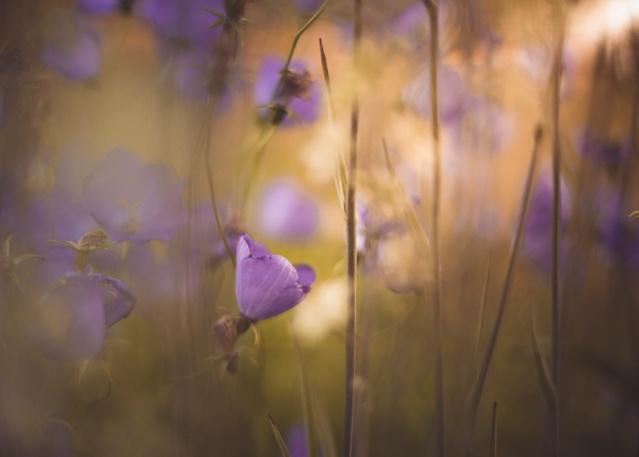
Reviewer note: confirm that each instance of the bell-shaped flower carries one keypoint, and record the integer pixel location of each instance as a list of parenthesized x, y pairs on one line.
[(267, 284), (72, 318), (135, 201), (289, 98), (287, 212), (72, 46)]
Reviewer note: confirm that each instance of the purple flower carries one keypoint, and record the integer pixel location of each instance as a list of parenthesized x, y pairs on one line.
[(288, 99), (72, 47), (134, 201), (454, 97), (537, 243), (267, 284), (72, 318), (287, 212)]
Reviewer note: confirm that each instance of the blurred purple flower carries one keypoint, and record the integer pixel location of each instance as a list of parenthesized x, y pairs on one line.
[(135, 201), (454, 96), (206, 244), (185, 22), (289, 99), (98, 6), (484, 127), (537, 242), (72, 47), (307, 6), (267, 284), (58, 439), (287, 212), (72, 318), (296, 441), (603, 151), (619, 234)]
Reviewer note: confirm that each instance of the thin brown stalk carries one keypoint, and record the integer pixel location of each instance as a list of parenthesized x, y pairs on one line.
[(556, 207), (478, 387), (493, 432), (433, 12), (351, 322)]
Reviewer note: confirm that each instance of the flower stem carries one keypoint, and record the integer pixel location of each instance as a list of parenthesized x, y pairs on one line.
[(351, 249), (433, 11), (300, 32), (556, 206)]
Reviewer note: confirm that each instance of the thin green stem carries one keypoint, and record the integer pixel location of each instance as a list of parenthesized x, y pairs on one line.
[(216, 212), (300, 32)]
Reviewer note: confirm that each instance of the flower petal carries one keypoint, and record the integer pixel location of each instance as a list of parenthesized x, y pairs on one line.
[(266, 284)]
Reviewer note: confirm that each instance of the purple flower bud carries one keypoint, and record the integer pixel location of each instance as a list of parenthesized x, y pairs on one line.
[(267, 284), (287, 213), (290, 98), (72, 47), (72, 318), (135, 201)]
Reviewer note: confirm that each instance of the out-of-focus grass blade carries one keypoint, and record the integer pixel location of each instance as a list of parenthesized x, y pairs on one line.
[(493, 432), (482, 311), (545, 381), (304, 392), (326, 438), (278, 437)]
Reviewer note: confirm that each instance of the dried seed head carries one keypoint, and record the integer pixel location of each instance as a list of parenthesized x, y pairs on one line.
[(93, 240)]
